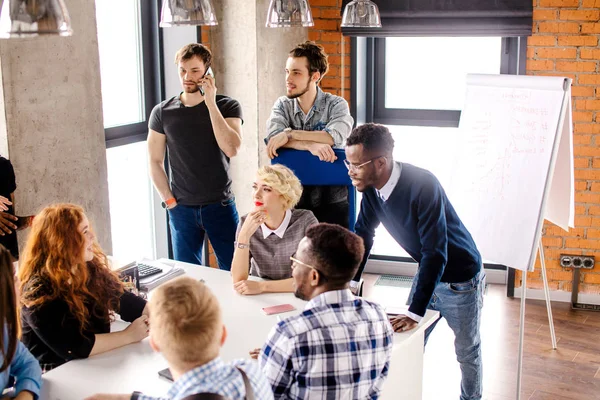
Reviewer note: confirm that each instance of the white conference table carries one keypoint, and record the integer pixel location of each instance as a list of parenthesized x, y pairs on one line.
[(136, 366)]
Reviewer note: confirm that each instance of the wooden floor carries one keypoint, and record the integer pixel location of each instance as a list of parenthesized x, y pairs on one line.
[(570, 372)]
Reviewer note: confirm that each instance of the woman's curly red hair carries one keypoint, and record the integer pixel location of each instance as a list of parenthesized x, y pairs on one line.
[(53, 266)]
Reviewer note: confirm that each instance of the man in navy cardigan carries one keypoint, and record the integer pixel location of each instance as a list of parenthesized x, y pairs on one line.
[(413, 207)]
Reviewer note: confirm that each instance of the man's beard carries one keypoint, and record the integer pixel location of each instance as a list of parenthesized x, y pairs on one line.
[(298, 293), (191, 89), (306, 89)]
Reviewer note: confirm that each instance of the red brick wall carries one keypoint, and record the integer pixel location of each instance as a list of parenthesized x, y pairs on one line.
[(327, 33), (565, 43)]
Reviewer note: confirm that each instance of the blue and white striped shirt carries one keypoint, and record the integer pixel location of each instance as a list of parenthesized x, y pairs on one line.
[(220, 378), (339, 347)]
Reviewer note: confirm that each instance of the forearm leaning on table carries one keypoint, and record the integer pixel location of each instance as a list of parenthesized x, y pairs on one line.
[(279, 286)]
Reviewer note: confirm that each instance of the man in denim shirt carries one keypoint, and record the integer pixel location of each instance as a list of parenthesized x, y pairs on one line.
[(309, 119)]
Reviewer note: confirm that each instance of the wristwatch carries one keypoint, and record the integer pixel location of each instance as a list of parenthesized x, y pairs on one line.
[(168, 202), (288, 132), (241, 245)]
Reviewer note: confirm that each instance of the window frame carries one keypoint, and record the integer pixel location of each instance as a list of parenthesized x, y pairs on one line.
[(153, 77), (432, 117)]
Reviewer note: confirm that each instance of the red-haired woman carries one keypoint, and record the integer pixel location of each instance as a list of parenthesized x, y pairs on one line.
[(69, 293)]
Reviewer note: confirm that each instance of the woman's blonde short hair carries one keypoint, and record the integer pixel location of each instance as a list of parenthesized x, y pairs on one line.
[(282, 179)]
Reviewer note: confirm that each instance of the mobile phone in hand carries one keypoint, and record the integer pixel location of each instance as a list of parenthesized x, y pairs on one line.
[(278, 309), (209, 71)]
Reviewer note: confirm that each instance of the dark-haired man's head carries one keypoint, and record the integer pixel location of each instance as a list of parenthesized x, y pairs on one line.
[(327, 259), (193, 60), (369, 150), (305, 67)]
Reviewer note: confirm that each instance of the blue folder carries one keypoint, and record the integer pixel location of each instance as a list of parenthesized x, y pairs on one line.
[(311, 171)]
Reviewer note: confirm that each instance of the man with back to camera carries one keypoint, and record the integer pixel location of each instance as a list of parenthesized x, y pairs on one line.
[(309, 119), (201, 132), (340, 346), (413, 207)]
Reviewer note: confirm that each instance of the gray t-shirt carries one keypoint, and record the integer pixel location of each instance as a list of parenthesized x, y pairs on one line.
[(199, 169), (270, 257)]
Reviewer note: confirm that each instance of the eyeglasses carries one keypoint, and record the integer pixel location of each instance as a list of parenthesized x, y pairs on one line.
[(295, 260), (354, 167)]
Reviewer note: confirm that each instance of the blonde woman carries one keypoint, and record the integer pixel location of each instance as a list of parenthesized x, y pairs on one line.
[(268, 236)]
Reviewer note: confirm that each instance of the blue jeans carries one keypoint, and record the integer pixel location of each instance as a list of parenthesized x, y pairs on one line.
[(460, 304), (188, 225)]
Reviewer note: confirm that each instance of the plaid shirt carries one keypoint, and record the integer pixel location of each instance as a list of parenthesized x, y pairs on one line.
[(338, 348), (220, 378)]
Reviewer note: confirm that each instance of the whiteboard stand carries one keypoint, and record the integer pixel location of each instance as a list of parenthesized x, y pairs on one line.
[(522, 321), (547, 295), (521, 333), (565, 106)]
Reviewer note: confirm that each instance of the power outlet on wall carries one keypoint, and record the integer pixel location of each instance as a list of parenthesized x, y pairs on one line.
[(572, 261)]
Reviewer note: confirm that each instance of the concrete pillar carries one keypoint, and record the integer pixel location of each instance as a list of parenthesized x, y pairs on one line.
[(249, 65), (51, 123), (274, 44)]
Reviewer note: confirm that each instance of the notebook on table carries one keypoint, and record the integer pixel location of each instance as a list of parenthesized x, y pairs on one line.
[(153, 280)]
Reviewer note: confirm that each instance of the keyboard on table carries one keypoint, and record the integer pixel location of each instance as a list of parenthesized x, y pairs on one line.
[(146, 270)]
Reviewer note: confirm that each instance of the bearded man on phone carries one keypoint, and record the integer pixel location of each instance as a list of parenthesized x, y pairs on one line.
[(201, 132)]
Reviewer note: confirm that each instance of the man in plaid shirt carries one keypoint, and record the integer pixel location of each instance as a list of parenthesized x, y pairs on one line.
[(340, 346)]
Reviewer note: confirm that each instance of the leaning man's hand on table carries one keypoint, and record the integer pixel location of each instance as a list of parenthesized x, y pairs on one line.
[(254, 353), (102, 396), (402, 323)]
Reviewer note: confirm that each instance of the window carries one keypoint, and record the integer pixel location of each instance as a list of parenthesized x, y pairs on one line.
[(130, 196), (413, 144), (416, 87), (119, 44), (128, 44), (428, 73)]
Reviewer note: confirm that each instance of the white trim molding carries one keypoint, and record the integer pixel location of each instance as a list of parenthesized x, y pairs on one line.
[(559, 295)]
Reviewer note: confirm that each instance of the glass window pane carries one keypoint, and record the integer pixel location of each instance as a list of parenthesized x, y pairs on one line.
[(427, 147), (428, 73), (119, 42), (130, 195)]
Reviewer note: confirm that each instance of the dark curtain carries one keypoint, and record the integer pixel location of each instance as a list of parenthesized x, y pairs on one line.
[(449, 18)]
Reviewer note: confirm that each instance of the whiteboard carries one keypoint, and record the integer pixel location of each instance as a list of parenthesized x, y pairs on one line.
[(513, 136)]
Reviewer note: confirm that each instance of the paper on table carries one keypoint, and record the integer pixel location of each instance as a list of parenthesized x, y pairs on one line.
[(393, 311), (168, 273)]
